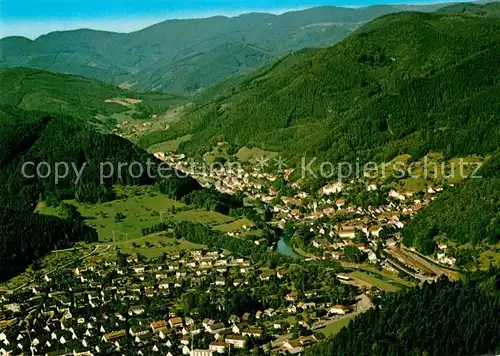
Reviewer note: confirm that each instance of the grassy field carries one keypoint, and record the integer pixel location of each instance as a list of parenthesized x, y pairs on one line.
[(137, 212), (169, 146), (376, 282), (236, 225), (246, 154), (430, 170), (333, 328), (488, 258), (155, 245)]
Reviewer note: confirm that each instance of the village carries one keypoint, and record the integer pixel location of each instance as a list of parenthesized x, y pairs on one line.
[(357, 214), (197, 303)]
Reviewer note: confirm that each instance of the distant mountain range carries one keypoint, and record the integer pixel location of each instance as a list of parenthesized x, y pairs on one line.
[(404, 83), (184, 56)]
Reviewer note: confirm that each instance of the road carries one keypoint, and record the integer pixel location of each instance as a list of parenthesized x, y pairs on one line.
[(364, 303)]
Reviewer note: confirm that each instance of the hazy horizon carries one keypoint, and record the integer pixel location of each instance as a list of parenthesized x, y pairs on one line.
[(21, 19)]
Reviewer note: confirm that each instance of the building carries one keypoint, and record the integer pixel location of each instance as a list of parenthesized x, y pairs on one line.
[(199, 352), (160, 325), (337, 309), (219, 347), (236, 340)]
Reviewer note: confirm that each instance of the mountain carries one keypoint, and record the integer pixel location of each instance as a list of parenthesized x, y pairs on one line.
[(488, 9), (32, 147), (183, 56), (443, 318), (79, 97), (404, 83)]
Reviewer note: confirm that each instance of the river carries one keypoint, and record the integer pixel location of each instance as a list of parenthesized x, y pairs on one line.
[(284, 248)]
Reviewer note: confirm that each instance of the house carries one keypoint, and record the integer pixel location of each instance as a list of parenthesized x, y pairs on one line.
[(337, 309), (215, 328), (139, 330), (266, 276), (160, 325), (114, 335), (292, 346), (236, 340), (331, 188), (255, 332), (139, 269), (175, 322), (219, 347), (291, 297), (199, 352)]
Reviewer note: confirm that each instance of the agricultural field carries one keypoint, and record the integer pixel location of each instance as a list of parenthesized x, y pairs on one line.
[(374, 281), (334, 328), (169, 146), (124, 219), (246, 154)]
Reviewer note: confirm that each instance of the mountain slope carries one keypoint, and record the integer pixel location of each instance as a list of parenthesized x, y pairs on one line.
[(466, 214), (189, 54), (79, 97), (405, 83), (32, 146)]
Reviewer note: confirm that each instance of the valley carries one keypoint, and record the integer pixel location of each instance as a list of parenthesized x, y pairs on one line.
[(342, 199)]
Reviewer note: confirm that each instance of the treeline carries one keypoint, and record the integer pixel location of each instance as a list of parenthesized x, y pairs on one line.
[(214, 200), (467, 213), (204, 235), (26, 237), (443, 318)]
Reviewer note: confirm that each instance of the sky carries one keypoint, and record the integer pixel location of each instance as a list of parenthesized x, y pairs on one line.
[(32, 18)]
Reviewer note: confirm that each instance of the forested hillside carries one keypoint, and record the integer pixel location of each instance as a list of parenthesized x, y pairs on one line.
[(405, 83), (79, 97), (183, 56), (46, 142), (467, 213), (443, 318)]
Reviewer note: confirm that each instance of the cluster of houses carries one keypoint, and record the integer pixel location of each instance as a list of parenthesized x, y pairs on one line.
[(103, 307), (310, 210)]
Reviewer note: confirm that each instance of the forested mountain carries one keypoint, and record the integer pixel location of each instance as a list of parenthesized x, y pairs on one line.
[(182, 56), (443, 318), (79, 97), (467, 213), (404, 83), (32, 146)]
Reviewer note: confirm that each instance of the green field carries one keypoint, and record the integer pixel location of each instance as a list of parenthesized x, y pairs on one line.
[(333, 328), (155, 245), (246, 154), (169, 146), (376, 282), (139, 212)]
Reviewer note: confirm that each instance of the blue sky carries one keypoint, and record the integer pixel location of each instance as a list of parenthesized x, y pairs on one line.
[(32, 18)]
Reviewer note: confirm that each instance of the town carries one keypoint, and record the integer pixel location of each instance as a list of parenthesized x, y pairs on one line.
[(198, 302)]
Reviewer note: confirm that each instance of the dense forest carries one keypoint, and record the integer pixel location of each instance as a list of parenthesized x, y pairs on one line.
[(26, 237), (467, 213), (404, 83), (442, 318)]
